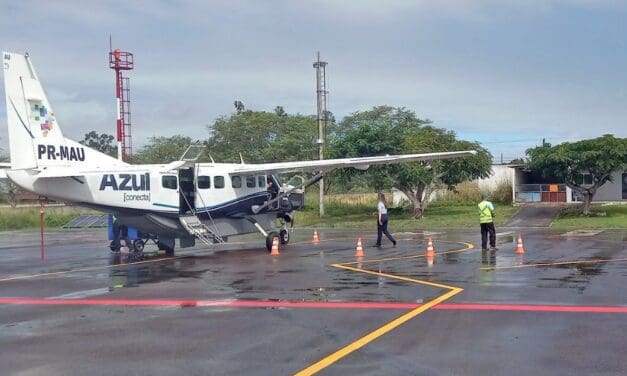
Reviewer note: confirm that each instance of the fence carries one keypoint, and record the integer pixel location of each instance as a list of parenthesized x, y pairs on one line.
[(540, 193)]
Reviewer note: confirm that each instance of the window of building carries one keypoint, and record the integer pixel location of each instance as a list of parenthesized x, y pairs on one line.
[(218, 182), (261, 181), (584, 179), (204, 182), (169, 181), (250, 181)]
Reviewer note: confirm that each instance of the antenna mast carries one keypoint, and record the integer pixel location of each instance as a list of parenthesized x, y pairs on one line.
[(121, 61)]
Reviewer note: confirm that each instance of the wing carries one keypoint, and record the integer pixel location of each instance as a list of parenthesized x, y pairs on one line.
[(331, 164)]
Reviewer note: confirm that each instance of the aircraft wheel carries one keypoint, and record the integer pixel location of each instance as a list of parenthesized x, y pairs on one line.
[(284, 236), (138, 245), (269, 239)]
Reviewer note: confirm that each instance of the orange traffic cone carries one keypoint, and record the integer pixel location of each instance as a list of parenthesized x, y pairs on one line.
[(430, 260), (315, 240), (430, 251), (275, 246), (359, 250), (519, 247)]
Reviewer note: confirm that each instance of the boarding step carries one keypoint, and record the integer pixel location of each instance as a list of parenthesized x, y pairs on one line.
[(193, 225)]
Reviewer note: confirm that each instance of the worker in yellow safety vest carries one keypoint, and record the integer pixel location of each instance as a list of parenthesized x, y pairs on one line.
[(486, 215)]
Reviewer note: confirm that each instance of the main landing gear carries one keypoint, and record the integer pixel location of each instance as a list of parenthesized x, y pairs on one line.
[(283, 235), (163, 243)]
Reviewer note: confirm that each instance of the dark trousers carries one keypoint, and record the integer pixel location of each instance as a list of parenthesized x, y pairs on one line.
[(121, 232), (485, 229), (383, 228)]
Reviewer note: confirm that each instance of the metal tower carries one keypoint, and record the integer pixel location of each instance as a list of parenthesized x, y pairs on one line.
[(322, 117), (121, 61)]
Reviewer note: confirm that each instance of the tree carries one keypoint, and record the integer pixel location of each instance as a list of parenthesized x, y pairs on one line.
[(263, 137), (239, 107), (388, 130), (598, 157), (163, 149), (104, 143)]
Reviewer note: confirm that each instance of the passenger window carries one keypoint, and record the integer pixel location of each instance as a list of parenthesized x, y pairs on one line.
[(261, 180), (168, 181), (250, 181), (218, 182), (204, 182), (236, 181)]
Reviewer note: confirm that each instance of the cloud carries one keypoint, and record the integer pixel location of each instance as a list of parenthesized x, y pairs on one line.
[(525, 68)]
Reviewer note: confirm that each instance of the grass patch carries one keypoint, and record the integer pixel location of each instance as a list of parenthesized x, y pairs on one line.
[(28, 217), (601, 216), (362, 213)]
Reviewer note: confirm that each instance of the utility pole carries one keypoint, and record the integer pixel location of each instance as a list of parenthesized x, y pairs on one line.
[(321, 91)]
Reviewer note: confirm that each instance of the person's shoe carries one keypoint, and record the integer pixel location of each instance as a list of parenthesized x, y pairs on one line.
[(484, 249), (493, 249), (394, 243), (377, 245)]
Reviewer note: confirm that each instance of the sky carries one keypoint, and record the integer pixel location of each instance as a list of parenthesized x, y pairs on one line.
[(505, 73)]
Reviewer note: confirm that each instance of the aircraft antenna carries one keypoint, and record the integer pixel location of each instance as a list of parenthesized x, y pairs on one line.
[(121, 61), (322, 116)]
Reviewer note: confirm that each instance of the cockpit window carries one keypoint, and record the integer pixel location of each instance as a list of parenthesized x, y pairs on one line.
[(236, 181), (261, 181)]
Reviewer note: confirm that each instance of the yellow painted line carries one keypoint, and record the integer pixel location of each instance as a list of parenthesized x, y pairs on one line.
[(363, 341), (469, 246), (551, 264), (393, 276)]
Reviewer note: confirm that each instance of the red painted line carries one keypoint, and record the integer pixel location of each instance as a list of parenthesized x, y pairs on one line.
[(327, 305), (342, 305)]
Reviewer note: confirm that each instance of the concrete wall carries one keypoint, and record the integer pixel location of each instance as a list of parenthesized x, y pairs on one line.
[(501, 174), (611, 191)]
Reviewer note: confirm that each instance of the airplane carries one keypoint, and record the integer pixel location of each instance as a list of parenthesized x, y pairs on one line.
[(184, 199)]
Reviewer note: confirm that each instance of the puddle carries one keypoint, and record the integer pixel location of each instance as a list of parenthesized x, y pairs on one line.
[(577, 233)]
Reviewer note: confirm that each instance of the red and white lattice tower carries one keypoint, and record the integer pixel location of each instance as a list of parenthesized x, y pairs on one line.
[(121, 61)]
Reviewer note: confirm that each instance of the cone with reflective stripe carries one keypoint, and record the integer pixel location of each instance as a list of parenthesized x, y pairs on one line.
[(430, 251), (275, 246), (359, 250), (315, 240), (519, 247), (430, 254)]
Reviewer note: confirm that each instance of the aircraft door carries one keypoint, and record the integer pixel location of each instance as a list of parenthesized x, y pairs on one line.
[(187, 191)]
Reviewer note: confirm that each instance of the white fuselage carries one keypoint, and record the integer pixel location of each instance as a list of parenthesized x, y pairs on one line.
[(146, 187)]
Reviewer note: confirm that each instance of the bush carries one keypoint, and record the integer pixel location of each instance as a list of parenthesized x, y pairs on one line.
[(465, 193), (502, 193)]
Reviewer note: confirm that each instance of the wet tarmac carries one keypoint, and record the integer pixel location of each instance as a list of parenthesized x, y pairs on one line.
[(558, 309)]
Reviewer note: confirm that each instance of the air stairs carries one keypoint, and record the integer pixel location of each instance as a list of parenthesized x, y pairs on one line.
[(195, 227)]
